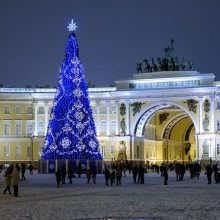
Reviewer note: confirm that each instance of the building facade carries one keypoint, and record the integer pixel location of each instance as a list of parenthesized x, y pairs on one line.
[(152, 117)]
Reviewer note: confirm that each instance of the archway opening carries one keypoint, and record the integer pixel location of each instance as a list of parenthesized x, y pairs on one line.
[(168, 135)]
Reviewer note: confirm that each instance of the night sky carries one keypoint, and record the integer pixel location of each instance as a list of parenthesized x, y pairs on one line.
[(113, 36)]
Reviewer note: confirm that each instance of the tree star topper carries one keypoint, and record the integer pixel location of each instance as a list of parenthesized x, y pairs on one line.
[(72, 26)]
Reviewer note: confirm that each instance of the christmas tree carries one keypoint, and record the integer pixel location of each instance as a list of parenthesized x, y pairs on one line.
[(71, 130)]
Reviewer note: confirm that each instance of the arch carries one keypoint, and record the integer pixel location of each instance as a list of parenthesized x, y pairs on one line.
[(188, 131), (165, 133), (154, 107)]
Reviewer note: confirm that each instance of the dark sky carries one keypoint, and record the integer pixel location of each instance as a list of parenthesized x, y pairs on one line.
[(113, 35)]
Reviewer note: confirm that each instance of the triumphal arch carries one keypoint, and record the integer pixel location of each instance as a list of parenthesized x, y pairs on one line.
[(160, 117)]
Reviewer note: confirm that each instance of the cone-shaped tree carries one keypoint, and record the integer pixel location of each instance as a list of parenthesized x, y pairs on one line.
[(71, 130)]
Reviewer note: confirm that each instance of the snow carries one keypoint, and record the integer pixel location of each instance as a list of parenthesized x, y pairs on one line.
[(40, 198)]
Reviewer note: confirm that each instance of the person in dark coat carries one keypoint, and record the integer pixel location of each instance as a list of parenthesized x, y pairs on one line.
[(107, 175), (165, 175), (15, 180), (198, 170), (135, 172), (79, 170), (112, 174), (70, 175), (118, 175), (63, 174), (209, 172), (31, 169), (141, 174), (8, 178), (23, 172), (88, 174), (94, 172), (58, 177)]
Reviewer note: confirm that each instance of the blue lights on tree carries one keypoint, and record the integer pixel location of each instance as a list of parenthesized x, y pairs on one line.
[(71, 130)]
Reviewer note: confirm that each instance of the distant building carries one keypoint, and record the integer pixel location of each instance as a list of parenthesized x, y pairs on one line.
[(152, 117)]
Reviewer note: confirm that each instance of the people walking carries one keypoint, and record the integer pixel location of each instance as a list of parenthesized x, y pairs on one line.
[(88, 174), (141, 174), (197, 170), (70, 175), (15, 180), (31, 169), (8, 178), (107, 175), (23, 168), (165, 175), (118, 175), (135, 173), (63, 174), (112, 174), (182, 171), (94, 172), (79, 170), (58, 177), (209, 172)]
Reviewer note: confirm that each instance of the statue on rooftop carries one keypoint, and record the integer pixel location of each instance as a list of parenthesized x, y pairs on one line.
[(154, 65), (168, 62), (147, 66), (159, 64), (139, 68)]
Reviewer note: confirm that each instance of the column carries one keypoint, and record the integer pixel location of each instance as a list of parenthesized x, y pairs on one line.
[(127, 119), (197, 146), (108, 119), (201, 115), (46, 118), (117, 118), (98, 118), (212, 115), (35, 118)]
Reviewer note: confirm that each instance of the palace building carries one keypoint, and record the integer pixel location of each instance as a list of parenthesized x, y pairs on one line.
[(153, 117)]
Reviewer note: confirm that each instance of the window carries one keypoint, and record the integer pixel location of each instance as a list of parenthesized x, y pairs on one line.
[(6, 151), (218, 149), (41, 110), (18, 110), (6, 128), (18, 151), (40, 127), (113, 127), (102, 126), (29, 151), (112, 149), (113, 110), (30, 110), (103, 110), (29, 128), (7, 109), (18, 128), (218, 125)]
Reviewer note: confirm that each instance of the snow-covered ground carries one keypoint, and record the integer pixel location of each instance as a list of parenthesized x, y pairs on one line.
[(40, 198)]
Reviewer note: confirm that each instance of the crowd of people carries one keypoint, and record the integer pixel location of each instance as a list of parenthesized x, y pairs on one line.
[(113, 173), (12, 177)]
